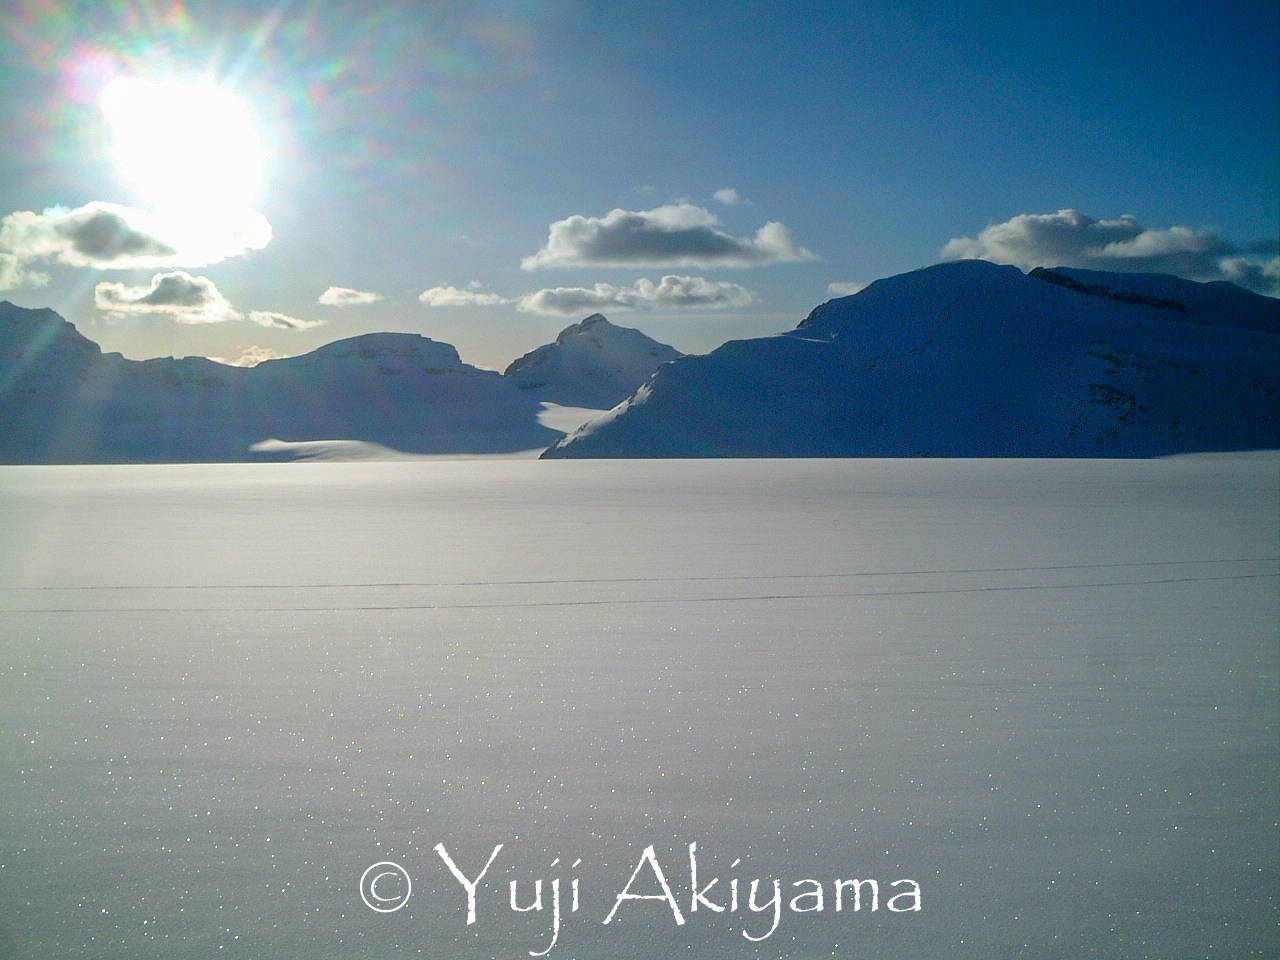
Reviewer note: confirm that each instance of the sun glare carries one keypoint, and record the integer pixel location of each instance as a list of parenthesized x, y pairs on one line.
[(184, 147)]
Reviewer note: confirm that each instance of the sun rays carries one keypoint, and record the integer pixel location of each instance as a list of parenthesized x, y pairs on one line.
[(188, 147)]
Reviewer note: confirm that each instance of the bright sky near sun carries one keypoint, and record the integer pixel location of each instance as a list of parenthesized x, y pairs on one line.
[(247, 179)]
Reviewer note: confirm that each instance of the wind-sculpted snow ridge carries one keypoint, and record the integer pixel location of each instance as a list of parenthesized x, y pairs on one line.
[(591, 364), (970, 359), (384, 394)]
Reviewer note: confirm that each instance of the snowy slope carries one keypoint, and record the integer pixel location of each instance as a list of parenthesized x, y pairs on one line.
[(974, 359), (400, 390), (1045, 690), (63, 401), (591, 364)]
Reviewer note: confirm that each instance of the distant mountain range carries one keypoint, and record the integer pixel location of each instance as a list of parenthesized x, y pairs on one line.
[(63, 401), (964, 359), (970, 359)]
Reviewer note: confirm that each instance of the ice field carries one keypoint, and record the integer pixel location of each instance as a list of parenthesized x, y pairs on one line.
[(1044, 692)]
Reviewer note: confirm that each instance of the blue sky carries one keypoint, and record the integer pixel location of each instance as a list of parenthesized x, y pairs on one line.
[(485, 173)]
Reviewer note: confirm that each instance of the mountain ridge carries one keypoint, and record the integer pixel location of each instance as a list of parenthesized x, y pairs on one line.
[(974, 359), (965, 358), (62, 400)]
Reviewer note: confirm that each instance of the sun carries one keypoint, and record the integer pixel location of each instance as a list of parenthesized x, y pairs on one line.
[(184, 148)]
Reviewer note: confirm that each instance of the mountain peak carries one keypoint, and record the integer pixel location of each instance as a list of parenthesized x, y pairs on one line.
[(393, 348), (63, 401), (593, 363), (26, 333), (581, 327), (972, 359)]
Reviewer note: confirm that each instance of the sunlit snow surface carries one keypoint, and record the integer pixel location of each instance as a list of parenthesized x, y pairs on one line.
[(1044, 690)]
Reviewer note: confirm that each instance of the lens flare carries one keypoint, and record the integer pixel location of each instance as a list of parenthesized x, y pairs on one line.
[(184, 147)]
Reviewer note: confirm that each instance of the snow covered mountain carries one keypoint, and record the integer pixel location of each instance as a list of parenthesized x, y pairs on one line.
[(591, 364), (63, 401), (971, 359)]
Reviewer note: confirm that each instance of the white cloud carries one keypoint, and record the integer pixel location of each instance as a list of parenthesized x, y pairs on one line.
[(252, 356), (845, 288), (11, 272), (670, 293), (184, 298), (1264, 277), (472, 296), (95, 235), (1070, 238), (281, 321), (676, 235), (112, 236), (346, 297), (15, 273), (728, 196)]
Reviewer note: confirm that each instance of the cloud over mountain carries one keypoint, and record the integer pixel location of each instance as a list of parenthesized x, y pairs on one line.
[(471, 296), (187, 299), (112, 236), (672, 292), (95, 235), (177, 294), (252, 356), (14, 273), (281, 321), (346, 297), (1070, 238), (845, 288), (676, 235)]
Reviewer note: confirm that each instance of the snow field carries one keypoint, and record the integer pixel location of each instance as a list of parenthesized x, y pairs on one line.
[(1043, 690)]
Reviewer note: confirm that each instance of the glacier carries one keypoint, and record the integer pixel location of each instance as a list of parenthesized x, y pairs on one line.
[(1043, 690)]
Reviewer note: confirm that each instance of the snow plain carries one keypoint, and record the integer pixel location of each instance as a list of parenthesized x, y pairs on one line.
[(1045, 691)]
